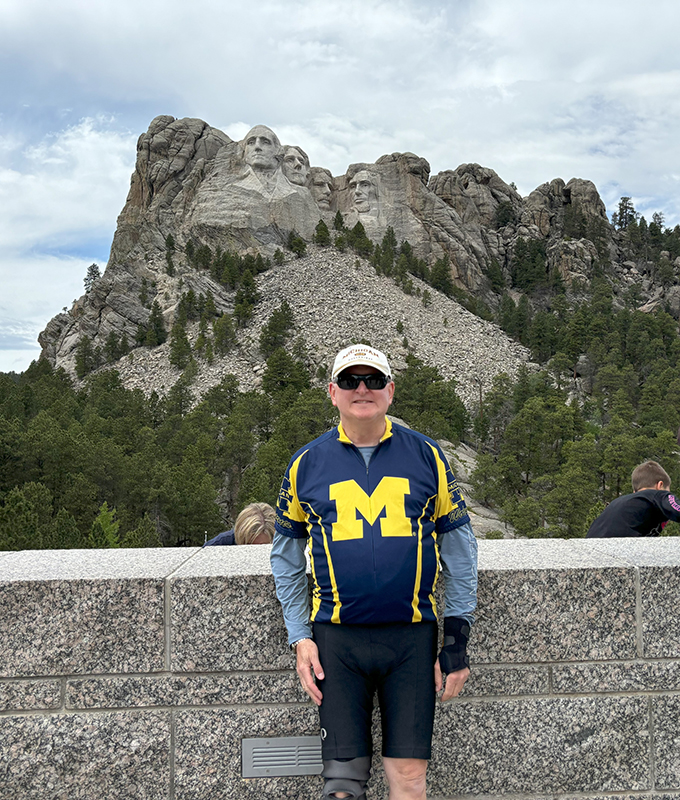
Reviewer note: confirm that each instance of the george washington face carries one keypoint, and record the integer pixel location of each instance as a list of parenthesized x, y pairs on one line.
[(261, 148)]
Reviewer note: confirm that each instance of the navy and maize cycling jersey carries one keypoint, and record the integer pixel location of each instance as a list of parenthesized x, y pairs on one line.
[(372, 530)]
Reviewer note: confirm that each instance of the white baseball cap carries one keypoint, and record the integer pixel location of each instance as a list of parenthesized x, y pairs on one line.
[(360, 354)]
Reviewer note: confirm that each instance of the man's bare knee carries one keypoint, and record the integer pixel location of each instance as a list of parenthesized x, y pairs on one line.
[(406, 776)]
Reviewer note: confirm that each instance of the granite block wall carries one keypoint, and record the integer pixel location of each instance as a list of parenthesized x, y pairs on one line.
[(136, 673)]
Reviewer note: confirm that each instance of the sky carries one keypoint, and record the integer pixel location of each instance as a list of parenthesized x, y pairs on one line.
[(535, 90)]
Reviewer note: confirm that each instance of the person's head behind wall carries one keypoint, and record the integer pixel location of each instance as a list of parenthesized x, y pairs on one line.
[(255, 524), (650, 475)]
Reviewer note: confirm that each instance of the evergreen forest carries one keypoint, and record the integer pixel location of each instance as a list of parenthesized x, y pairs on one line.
[(98, 465)]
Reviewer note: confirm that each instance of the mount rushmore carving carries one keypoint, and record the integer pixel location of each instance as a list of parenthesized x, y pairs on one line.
[(193, 182)]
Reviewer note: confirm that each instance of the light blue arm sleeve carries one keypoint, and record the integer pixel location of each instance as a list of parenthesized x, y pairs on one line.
[(289, 567), (458, 558)]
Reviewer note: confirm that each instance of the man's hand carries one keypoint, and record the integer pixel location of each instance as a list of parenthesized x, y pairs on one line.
[(308, 665), (454, 681)]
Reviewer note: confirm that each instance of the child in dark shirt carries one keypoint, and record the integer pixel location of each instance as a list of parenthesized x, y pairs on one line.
[(643, 513)]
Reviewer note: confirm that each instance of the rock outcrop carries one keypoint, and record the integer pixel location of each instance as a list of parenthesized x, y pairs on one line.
[(337, 299), (192, 183)]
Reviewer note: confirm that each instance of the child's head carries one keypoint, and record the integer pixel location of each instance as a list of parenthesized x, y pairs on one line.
[(649, 475)]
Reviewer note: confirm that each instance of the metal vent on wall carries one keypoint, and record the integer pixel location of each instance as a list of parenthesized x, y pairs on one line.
[(285, 755)]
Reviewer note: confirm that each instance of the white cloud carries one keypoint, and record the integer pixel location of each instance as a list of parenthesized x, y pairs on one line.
[(534, 90), (67, 186), (35, 289)]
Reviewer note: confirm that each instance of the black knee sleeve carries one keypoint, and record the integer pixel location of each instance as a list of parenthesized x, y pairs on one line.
[(346, 776)]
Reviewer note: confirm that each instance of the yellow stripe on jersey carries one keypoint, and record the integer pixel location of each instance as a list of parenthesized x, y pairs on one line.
[(415, 604), (316, 604), (288, 500), (436, 576), (316, 590), (445, 505)]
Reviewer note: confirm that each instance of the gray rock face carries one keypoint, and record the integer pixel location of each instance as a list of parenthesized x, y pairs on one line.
[(191, 181)]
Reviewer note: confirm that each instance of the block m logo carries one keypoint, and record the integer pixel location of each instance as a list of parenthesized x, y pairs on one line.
[(389, 496)]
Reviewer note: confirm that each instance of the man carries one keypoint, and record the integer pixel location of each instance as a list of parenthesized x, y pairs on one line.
[(261, 149), (262, 154), (643, 513), (382, 513)]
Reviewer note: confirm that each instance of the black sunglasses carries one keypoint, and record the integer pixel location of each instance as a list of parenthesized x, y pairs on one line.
[(350, 381)]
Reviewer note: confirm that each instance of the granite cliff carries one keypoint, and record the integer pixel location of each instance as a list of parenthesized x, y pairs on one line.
[(193, 185)]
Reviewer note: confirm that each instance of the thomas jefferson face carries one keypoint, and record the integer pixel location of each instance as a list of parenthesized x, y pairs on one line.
[(363, 191), (261, 148), (295, 165), (322, 187)]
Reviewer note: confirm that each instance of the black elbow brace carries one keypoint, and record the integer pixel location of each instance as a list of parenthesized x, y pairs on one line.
[(453, 656)]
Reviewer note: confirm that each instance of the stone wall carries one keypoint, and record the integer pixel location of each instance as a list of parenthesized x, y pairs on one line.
[(136, 673)]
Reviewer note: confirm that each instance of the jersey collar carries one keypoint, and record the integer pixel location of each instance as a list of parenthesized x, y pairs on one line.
[(344, 438)]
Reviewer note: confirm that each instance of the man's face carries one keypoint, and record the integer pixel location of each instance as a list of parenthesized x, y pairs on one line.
[(321, 192), (363, 191), (361, 404), (294, 167), (261, 149)]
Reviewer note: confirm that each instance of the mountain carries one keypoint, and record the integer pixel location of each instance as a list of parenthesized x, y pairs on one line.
[(195, 195)]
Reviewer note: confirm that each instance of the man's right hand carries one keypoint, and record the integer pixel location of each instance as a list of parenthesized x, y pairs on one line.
[(309, 666)]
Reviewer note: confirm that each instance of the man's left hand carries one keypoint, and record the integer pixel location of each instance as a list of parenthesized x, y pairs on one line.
[(454, 681)]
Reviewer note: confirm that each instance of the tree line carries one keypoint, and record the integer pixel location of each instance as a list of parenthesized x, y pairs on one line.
[(106, 466), (558, 444)]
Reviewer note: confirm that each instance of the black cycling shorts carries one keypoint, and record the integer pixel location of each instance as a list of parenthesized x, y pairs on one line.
[(397, 662)]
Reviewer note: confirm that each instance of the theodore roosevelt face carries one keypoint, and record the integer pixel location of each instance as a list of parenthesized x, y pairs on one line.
[(321, 187)]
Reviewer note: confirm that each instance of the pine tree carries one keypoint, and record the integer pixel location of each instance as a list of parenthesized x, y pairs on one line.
[(625, 214), (276, 330), (440, 277), (104, 531), (225, 336), (297, 244), (93, 274), (156, 333), (86, 357), (322, 235), (180, 349)]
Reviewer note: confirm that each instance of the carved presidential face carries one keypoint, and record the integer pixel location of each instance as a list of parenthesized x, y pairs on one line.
[(321, 187), (364, 191), (295, 165), (261, 147)]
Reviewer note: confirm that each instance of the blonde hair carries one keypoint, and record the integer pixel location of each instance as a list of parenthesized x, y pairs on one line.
[(255, 519), (647, 475)]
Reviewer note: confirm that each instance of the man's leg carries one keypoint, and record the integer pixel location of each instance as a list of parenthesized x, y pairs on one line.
[(406, 777), (407, 699), (345, 711)]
